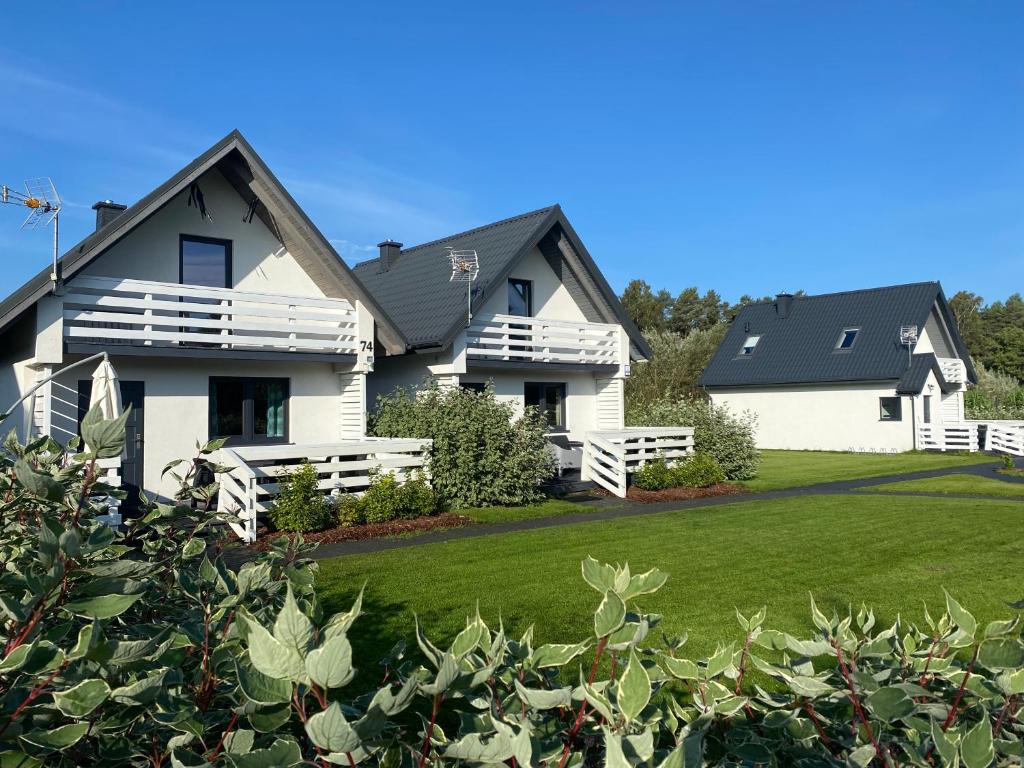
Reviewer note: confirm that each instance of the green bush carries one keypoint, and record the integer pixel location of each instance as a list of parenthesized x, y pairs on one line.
[(698, 471), (717, 431), (482, 455), (301, 505), (654, 475), (147, 648), (347, 510), (416, 498), (381, 502), (996, 396)]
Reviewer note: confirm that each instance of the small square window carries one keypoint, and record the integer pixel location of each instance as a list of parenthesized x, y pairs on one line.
[(749, 344), (890, 408), (847, 337)]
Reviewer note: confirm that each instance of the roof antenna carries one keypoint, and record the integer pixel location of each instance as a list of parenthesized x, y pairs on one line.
[(465, 268), (908, 338), (43, 203)]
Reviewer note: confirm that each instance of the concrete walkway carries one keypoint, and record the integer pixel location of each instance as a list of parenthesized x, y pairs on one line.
[(606, 508)]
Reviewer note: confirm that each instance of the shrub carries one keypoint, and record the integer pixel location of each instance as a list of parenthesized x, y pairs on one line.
[(717, 431), (996, 396), (482, 454), (348, 510), (416, 498), (654, 475), (699, 471), (675, 366), (382, 501), (301, 505), (148, 649)]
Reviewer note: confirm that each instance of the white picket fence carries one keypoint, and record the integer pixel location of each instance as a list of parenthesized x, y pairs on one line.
[(611, 456), (249, 489), (947, 437)]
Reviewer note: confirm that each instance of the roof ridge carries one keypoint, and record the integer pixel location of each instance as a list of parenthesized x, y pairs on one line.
[(850, 292), (472, 231)]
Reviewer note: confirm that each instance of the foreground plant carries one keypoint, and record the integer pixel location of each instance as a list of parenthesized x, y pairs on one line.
[(146, 649)]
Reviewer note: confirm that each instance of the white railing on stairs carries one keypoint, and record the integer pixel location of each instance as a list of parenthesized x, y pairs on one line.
[(611, 456), (947, 437), (249, 488)]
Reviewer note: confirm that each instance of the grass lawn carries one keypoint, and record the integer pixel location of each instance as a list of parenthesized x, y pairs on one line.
[(789, 469), (548, 508), (890, 554), (966, 484)]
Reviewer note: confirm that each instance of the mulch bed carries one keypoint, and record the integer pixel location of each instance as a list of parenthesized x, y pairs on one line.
[(371, 530), (641, 496)]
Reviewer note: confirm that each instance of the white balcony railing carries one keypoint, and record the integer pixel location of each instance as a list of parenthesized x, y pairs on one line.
[(153, 314), (537, 340), (953, 370)]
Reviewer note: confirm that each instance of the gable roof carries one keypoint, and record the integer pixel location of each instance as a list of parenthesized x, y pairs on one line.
[(916, 376), (235, 158), (431, 311), (801, 347)]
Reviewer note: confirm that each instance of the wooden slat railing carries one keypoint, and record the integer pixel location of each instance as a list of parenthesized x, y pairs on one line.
[(953, 369), (960, 436), (249, 489), (611, 456), (155, 314), (536, 340)]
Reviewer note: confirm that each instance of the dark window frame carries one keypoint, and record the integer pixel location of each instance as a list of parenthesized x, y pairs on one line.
[(855, 330), (542, 402), (228, 256), (473, 386), (529, 293), (743, 353), (248, 413), (899, 408)]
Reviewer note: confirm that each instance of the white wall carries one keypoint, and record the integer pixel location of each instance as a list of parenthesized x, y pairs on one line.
[(824, 417), (551, 299), (934, 338), (177, 410), (259, 262)]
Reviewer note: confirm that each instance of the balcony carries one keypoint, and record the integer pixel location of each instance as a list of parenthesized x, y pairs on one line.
[(953, 370), (531, 340), (156, 318)]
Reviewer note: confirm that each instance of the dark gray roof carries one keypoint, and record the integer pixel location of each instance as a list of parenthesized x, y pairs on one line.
[(245, 170), (801, 348), (430, 310), (914, 378)]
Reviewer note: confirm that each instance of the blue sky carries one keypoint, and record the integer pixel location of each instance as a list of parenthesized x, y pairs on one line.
[(749, 147)]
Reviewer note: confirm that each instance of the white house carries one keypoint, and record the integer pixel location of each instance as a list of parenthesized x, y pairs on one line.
[(879, 370), (225, 311), (546, 328)]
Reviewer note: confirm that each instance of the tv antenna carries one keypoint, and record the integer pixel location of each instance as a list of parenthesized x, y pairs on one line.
[(908, 338), (43, 203), (465, 268)]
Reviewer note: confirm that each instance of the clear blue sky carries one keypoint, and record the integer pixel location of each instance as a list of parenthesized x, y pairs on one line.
[(749, 147)]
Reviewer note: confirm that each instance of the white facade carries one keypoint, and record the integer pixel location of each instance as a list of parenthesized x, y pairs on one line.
[(593, 393), (848, 416), (268, 294)]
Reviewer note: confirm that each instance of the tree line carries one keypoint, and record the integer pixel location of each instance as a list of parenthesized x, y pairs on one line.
[(685, 329)]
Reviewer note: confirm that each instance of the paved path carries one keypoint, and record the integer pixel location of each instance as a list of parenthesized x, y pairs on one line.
[(614, 509)]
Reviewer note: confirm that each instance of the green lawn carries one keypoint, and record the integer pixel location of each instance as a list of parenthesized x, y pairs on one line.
[(789, 469), (889, 554), (548, 508), (967, 484)]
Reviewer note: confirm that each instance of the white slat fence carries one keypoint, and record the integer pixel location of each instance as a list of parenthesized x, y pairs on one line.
[(531, 339), (611, 456), (947, 437), (249, 489)]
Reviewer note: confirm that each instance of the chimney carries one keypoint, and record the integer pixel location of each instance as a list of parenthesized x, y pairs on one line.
[(106, 212), (389, 253), (783, 303)]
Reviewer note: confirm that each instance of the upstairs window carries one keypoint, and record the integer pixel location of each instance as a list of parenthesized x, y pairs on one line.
[(520, 297), (749, 345), (847, 337), (205, 261)]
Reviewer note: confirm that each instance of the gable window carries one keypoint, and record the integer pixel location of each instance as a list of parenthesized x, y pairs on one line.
[(890, 408), (550, 399), (249, 410), (749, 345), (204, 261), (847, 337), (520, 297)]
